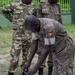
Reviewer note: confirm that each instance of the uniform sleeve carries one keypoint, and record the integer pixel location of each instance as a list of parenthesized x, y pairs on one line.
[(34, 36), (7, 12), (49, 38)]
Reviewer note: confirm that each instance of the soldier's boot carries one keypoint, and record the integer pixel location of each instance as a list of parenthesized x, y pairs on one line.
[(23, 73), (40, 71), (49, 70), (10, 73)]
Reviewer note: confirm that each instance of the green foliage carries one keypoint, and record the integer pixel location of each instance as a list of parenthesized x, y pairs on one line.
[(36, 2), (65, 5)]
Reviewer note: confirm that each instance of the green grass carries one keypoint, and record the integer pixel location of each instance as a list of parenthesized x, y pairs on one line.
[(5, 38)]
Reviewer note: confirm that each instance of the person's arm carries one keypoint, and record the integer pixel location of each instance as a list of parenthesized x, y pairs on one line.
[(41, 59), (49, 40), (33, 50), (7, 12)]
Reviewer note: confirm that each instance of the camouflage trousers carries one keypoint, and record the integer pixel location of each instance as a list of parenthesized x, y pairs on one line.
[(63, 60), (20, 42)]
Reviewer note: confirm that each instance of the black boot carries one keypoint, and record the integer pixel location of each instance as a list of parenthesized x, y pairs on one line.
[(40, 71), (10, 73), (49, 70), (23, 73)]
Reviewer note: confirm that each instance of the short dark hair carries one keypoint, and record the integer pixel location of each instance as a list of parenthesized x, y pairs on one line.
[(54, 1), (32, 23)]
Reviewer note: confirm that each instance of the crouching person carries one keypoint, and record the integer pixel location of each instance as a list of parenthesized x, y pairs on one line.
[(52, 35)]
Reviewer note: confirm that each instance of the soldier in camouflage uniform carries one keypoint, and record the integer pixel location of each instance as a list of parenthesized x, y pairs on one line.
[(21, 38), (52, 35), (48, 9)]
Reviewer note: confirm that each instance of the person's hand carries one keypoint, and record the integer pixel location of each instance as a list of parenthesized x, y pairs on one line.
[(25, 67)]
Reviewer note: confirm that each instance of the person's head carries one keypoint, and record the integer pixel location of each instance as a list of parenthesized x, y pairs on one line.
[(49, 1), (54, 1), (32, 23), (26, 1)]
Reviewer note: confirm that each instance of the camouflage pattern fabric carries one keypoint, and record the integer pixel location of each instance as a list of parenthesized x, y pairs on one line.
[(21, 37), (61, 46), (48, 10)]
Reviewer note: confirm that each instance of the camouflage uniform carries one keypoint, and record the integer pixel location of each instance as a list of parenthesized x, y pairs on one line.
[(61, 45), (21, 38), (7, 12), (47, 10)]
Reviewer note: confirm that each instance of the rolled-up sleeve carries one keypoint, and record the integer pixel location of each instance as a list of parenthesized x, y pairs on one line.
[(34, 36)]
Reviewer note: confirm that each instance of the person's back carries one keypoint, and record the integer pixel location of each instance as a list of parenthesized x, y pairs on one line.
[(54, 27)]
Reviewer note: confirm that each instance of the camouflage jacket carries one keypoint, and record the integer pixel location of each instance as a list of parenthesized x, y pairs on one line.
[(9, 11), (47, 10)]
